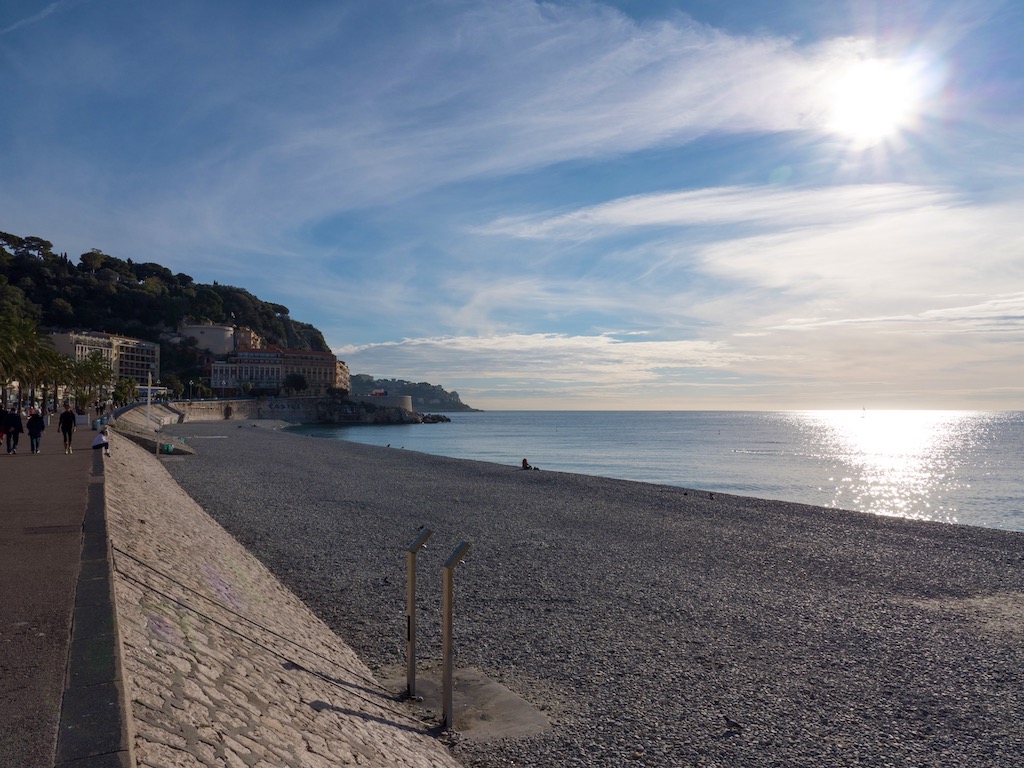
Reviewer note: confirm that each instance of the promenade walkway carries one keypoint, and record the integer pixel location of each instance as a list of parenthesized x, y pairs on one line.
[(52, 549)]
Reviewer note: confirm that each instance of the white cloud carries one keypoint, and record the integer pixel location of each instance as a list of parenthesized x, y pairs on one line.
[(779, 208), (998, 315), (845, 251), (829, 368), (905, 260), (35, 18), (562, 358)]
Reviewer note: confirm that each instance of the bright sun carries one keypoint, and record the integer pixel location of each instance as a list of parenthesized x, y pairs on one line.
[(874, 100)]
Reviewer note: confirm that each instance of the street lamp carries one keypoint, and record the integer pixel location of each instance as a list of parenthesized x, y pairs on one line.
[(149, 394)]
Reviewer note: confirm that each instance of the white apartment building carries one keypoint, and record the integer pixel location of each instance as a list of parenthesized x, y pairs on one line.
[(128, 358)]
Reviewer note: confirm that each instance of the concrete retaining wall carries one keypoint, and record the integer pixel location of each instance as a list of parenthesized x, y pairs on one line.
[(300, 410), (222, 665)]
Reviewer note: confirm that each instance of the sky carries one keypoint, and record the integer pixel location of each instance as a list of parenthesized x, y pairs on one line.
[(560, 205)]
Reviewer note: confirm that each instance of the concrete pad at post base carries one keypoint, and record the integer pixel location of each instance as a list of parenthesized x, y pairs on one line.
[(483, 709)]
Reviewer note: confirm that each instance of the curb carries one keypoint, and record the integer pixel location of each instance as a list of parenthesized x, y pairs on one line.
[(94, 729)]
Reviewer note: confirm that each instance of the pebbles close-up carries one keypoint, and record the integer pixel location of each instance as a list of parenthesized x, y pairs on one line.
[(651, 625)]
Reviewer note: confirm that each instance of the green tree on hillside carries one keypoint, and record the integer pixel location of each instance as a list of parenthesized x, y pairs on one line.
[(93, 260)]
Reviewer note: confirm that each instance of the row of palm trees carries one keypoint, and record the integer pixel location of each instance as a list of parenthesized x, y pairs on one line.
[(28, 358)]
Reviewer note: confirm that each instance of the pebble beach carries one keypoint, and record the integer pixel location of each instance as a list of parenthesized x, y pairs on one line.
[(651, 625)]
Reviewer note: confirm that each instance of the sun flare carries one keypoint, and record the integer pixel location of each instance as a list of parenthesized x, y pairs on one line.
[(874, 100)]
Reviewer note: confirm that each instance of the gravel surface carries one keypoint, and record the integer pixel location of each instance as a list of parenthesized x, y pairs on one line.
[(656, 626)]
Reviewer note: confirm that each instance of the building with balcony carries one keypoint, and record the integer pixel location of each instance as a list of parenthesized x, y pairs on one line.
[(320, 369), (128, 358), (267, 369)]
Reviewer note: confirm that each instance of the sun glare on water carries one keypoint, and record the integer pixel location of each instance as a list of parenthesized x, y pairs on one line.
[(900, 463), (875, 100)]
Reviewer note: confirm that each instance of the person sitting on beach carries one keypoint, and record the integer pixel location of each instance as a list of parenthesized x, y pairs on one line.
[(102, 441)]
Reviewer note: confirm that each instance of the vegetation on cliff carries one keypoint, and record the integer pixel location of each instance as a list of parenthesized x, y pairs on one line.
[(143, 300), (425, 397)]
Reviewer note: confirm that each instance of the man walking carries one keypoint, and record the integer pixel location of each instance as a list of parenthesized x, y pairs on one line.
[(67, 426), (35, 425), (13, 428)]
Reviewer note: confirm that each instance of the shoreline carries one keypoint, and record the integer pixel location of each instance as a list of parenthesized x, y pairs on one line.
[(645, 618), (882, 465)]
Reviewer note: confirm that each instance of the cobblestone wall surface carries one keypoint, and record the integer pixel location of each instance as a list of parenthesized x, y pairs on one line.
[(294, 409), (223, 665)]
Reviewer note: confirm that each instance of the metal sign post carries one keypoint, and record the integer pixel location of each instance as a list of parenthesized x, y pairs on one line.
[(447, 646), (149, 405), (410, 610)]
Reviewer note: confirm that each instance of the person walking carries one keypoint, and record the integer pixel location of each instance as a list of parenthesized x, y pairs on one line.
[(67, 426), (13, 428), (35, 426)]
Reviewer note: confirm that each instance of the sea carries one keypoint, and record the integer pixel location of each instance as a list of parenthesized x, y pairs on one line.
[(963, 467)]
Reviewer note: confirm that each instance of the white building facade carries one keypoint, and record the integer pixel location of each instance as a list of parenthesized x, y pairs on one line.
[(128, 358)]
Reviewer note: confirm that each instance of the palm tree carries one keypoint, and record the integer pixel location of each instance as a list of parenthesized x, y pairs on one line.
[(126, 391), (88, 376), (43, 361), (25, 353), (51, 373), (61, 374)]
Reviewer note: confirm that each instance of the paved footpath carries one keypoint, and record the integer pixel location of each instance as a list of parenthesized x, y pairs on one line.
[(43, 504)]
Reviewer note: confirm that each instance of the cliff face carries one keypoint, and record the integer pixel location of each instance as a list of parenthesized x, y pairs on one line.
[(332, 411), (347, 412)]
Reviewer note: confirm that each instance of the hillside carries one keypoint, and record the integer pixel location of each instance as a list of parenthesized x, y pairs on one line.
[(425, 397), (142, 300)]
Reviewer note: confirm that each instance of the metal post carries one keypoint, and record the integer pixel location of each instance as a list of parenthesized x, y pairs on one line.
[(149, 407), (410, 610), (447, 646)]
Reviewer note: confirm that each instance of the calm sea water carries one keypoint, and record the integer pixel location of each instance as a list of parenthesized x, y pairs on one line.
[(950, 466)]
